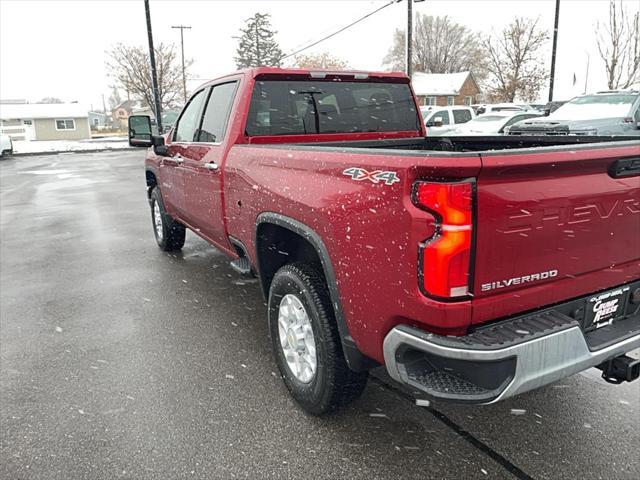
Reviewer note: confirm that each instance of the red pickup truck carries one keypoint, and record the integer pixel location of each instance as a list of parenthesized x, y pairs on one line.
[(474, 269)]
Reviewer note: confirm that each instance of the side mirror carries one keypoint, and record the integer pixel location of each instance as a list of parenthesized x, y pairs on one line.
[(159, 148), (638, 125), (140, 131), (437, 122)]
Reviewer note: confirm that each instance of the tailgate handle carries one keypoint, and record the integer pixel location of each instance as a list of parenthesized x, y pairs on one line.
[(625, 167)]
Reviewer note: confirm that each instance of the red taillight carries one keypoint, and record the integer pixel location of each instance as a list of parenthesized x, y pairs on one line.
[(445, 258)]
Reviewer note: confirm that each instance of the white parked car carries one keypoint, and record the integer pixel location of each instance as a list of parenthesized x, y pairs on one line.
[(441, 120), (6, 145), (493, 123)]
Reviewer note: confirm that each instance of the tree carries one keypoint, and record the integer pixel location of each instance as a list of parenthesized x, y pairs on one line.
[(440, 45), (114, 98), (257, 45), (131, 71), (514, 63), (50, 100), (320, 60), (619, 46)]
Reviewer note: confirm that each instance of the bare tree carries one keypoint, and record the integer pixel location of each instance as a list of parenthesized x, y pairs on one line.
[(131, 71), (619, 46), (440, 45), (514, 62), (320, 60), (50, 100)]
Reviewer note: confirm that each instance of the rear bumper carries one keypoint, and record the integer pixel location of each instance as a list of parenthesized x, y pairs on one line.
[(504, 359)]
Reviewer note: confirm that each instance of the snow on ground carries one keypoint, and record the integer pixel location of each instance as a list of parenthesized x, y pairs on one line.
[(45, 146)]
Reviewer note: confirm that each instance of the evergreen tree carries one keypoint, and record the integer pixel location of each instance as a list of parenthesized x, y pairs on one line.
[(257, 44)]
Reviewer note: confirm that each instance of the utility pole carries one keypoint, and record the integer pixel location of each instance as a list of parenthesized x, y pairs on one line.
[(409, 37), (586, 75), (184, 78), (553, 51), (154, 74)]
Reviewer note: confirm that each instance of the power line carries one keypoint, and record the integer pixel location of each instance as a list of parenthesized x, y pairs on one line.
[(341, 30)]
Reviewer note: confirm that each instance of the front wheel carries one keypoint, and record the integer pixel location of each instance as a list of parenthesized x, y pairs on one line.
[(306, 341), (170, 235)]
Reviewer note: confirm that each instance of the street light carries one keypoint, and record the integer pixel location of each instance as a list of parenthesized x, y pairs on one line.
[(154, 75), (409, 37)]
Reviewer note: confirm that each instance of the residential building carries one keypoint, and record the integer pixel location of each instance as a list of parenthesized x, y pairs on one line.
[(444, 89), (44, 121), (120, 114), (98, 120)]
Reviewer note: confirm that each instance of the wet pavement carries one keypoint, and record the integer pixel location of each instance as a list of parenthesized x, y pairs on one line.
[(120, 361)]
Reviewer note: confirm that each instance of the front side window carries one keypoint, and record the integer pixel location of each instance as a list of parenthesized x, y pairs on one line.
[(442, 115), (298, 107), (190, 120), (65, 124), (216, 113), (461, 115)]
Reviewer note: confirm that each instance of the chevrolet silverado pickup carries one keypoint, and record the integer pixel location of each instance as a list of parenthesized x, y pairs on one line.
[(472, 268)]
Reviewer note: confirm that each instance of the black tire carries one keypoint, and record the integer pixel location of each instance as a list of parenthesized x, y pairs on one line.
[(334, 384), (173, 233)]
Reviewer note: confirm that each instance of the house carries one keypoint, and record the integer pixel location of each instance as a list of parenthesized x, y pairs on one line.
[(97, 120), (444, 89), (44, 121), (120, 114)]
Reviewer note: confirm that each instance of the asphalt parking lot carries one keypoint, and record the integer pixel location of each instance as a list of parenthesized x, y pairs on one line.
[(121, 361)]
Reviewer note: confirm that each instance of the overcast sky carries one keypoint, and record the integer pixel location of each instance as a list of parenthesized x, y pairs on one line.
[(57, 48)]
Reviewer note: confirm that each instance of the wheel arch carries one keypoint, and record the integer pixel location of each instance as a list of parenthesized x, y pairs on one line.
[(304, 244)]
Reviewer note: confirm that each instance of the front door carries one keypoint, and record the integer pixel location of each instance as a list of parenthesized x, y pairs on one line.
[(29, 129), (203, 167), (172, 168)]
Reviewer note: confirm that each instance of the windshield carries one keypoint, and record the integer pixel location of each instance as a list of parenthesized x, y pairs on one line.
[(591, 107), (282, 107)]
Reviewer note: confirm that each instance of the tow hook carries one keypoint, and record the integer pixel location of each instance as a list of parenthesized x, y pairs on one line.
[(620, 369)]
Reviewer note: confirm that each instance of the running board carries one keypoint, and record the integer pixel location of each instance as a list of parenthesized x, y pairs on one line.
[(242, 265)]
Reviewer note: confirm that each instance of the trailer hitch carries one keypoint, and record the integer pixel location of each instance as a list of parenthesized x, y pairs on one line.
[(620, 369)]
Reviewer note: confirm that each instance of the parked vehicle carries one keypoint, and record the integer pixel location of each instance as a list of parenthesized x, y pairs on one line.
[(503, 107), (440, 120), (6, 145), (602, 113), (472, 272), (493, 123), (551, 107)]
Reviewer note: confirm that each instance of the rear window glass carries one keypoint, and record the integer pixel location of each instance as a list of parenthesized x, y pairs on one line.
[(284, 107)]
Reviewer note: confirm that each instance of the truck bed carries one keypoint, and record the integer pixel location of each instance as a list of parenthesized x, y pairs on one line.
[(480, 143)]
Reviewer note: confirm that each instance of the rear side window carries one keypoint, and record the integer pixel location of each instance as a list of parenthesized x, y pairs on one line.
[(461, 116), (216, 113), (289, 107), (186, 131)]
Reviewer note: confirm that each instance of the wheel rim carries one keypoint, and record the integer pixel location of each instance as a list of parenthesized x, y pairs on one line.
[(296, 338), (157, 220)]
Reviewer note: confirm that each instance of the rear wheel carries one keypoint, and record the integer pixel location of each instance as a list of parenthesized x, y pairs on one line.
[(170, 235), (306, 341)]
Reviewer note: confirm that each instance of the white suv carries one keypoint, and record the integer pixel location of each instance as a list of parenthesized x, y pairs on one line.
[(441, 120)]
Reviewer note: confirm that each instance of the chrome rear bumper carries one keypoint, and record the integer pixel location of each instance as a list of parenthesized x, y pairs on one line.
[(528, 353)]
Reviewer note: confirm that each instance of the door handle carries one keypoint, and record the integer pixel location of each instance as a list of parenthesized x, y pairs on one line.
[(211, 166), (178, 159)]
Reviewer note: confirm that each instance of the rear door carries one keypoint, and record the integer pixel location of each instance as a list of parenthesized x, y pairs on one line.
[(172, 173), (203, 166), (553, 224)]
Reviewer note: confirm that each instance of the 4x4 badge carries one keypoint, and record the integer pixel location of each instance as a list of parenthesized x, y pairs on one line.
[(377, 176)]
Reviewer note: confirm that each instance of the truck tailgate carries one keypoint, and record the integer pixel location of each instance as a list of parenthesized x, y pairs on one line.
[(553, 224)]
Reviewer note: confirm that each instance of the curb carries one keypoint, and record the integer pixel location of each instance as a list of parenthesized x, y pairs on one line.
[(93, 150)]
